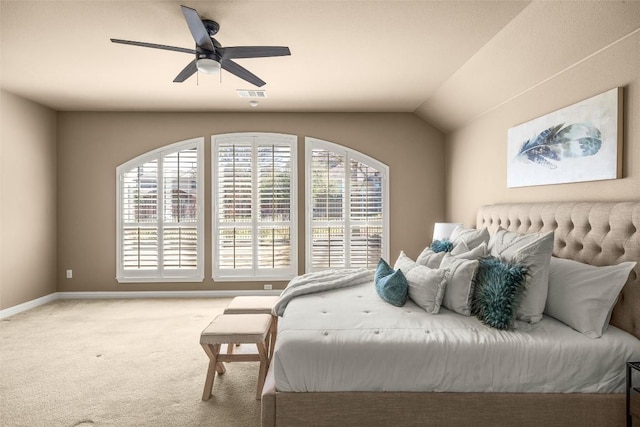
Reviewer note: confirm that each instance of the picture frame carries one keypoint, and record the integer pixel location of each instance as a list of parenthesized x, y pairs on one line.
[(581, 142)]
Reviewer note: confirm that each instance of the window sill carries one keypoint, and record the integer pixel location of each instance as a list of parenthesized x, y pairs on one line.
[(252, 279), (160, 279)]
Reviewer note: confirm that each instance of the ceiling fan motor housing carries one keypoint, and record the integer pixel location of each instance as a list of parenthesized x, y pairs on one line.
[(203, 53), (212, 27)]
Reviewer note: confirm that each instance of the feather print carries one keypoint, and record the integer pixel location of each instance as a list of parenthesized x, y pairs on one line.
[(558, 142)]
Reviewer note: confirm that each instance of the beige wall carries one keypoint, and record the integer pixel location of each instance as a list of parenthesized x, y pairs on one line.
[(476, 153), (27, 200), (92, 145)]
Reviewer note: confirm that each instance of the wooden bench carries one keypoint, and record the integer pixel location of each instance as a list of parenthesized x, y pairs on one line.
[(255, 305), (239, 329)]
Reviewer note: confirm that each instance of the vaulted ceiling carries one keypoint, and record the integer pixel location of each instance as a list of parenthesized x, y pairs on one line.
[(447, 61)]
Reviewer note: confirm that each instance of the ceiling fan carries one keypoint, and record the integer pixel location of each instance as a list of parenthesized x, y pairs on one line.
[(210, 56)]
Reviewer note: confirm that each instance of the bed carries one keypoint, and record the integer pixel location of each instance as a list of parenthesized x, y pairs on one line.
[(592, 233)]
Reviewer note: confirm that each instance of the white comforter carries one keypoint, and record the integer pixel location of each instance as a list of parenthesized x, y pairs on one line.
[(350, 340), (320, 281)]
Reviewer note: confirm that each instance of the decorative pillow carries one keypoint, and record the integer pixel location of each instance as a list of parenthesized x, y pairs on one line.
[(470, 236), (461, 250), (383, 270), (429, 258), (443, 245), (534, 252), (426, 285), (404, 263), (582, 296), (391, 285), (498, 289), (457, 296)]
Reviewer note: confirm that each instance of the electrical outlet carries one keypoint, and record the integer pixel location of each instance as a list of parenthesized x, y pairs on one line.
[(69, 274), (268, 287)]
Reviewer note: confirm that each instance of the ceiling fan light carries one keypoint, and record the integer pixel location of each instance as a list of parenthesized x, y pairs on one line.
[(208, 66)]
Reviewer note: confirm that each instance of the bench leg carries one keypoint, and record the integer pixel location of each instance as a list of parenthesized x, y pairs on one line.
[(264, 362), (230, 347), (220, 369), (212, 351)]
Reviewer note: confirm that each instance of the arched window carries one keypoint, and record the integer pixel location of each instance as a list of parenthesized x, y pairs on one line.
[(347, 207), (160, 215), (254, 206)]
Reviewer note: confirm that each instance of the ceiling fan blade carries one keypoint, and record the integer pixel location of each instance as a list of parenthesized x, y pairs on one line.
[(198, 31), (186, 72), (253, 51), (155, 46), (241, 72)]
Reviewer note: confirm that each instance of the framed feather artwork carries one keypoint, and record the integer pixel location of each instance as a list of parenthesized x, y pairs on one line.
[(582, 142)]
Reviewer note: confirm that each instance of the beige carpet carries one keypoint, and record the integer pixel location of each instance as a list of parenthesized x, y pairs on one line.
[(118, 363)]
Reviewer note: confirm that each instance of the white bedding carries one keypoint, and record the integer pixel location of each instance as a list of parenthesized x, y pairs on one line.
[(350, 340)]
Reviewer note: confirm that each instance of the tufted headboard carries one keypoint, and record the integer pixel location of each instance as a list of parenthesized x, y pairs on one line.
[(593, 233)]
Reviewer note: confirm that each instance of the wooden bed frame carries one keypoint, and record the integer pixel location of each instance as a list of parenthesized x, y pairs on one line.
[(593, 233)]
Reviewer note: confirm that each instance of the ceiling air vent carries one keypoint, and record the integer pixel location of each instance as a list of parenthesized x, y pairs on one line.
[(252, 93)]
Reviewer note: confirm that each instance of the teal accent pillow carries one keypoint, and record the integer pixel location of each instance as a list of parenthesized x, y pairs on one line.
[(498, 289), (391, 285), (443, 245), (382, 270)]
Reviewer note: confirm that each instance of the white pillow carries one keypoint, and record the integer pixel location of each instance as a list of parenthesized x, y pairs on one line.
[(426, 285), (429, 258), (470, 236), (461, 250), (582, 296), (457, 296), (533, 251)]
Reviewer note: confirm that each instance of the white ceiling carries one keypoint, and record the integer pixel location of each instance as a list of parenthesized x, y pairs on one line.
[(448, 61)]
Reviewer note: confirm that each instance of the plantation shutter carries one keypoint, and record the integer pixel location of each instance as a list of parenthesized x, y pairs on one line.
[(180, 173), (274, 206), (346, 198), (366, 215), (234, 237), (254, 202), (328, 242), (140, 216), (160, 223)]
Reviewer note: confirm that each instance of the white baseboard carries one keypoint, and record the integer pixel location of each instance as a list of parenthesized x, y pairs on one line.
[(28, 305), (161, 294), (129, 294)]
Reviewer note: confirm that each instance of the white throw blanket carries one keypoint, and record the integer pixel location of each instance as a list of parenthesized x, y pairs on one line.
[(321, 281)]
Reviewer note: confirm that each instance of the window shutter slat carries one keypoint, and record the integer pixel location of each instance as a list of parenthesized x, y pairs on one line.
[(327, 246), (274, 247), (140, 248), (140, 193), (234, 183), (366, 246), (180, 247), (180, 175), (274, 183), (235, 248), (328, 185)]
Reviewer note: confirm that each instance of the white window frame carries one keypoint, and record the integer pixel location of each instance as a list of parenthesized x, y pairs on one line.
[(256, 273), (349, 154), (162, 274)]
